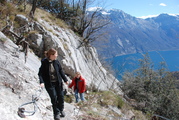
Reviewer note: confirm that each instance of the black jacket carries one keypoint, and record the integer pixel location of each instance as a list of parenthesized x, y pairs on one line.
[(44, 74)]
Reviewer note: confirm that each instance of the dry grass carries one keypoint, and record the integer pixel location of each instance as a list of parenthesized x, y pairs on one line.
[(6, 13), (51, 19), (11, 10), (140, 116), (96, 106)]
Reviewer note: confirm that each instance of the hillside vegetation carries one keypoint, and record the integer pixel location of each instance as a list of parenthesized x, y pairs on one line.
[(154, 91)]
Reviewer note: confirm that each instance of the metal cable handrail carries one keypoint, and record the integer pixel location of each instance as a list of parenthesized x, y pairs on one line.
[(21, 110)]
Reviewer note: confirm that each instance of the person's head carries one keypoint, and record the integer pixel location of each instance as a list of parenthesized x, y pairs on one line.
[(51, 54), (78, 74)]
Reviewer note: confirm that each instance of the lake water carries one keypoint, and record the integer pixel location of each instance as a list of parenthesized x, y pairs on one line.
[(131, 61)]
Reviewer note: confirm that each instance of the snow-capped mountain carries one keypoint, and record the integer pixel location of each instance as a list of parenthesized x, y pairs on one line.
[(128, 34)]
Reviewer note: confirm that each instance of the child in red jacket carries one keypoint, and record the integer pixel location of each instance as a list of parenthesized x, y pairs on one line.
[(79, 85)]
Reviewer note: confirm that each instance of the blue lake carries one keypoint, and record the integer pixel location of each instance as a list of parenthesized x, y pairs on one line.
[(130, 62)]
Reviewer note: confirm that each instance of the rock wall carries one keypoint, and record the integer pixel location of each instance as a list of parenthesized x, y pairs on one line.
[(72, 57), (19, 80)]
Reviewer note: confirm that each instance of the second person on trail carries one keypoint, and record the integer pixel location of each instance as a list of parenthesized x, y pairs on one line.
[(79, 86)]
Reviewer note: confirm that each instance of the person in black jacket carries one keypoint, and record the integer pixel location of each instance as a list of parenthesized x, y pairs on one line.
[(51, 75)]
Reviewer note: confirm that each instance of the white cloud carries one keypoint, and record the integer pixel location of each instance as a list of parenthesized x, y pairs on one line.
[(94, 8), (149, 16), (162, 4), (173, 14), (105, 13)]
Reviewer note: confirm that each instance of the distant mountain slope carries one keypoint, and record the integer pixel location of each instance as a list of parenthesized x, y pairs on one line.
[(128, 34), (168, 23)]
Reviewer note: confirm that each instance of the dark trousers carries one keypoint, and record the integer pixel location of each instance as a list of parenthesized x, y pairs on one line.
[(57, 97)]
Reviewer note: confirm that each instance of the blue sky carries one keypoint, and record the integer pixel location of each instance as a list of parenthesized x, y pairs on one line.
[(139, 8)]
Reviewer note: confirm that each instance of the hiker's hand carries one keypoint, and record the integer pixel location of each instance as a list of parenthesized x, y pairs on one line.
[(42, 85), (66, 82)]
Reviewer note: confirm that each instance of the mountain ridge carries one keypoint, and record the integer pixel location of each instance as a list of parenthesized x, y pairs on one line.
[(128, 34)]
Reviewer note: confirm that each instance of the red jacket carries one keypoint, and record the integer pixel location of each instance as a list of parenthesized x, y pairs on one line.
[(81, 85)]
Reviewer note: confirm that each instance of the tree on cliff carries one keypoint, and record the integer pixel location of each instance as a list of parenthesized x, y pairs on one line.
[(75, 13)]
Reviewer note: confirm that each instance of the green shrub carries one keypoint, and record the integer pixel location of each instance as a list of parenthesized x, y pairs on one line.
[(3, 40), (155, 89), (68, 98), (120, 102), (109, 98)]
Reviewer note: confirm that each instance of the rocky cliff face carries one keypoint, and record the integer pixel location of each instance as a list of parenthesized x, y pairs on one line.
[(19, 80), (72, 57)]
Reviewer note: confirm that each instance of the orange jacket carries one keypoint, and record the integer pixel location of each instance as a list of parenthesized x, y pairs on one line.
[(81, 85)]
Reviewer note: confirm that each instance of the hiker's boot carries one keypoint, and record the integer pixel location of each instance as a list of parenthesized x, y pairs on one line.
[(62, 114), (57, 117)]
